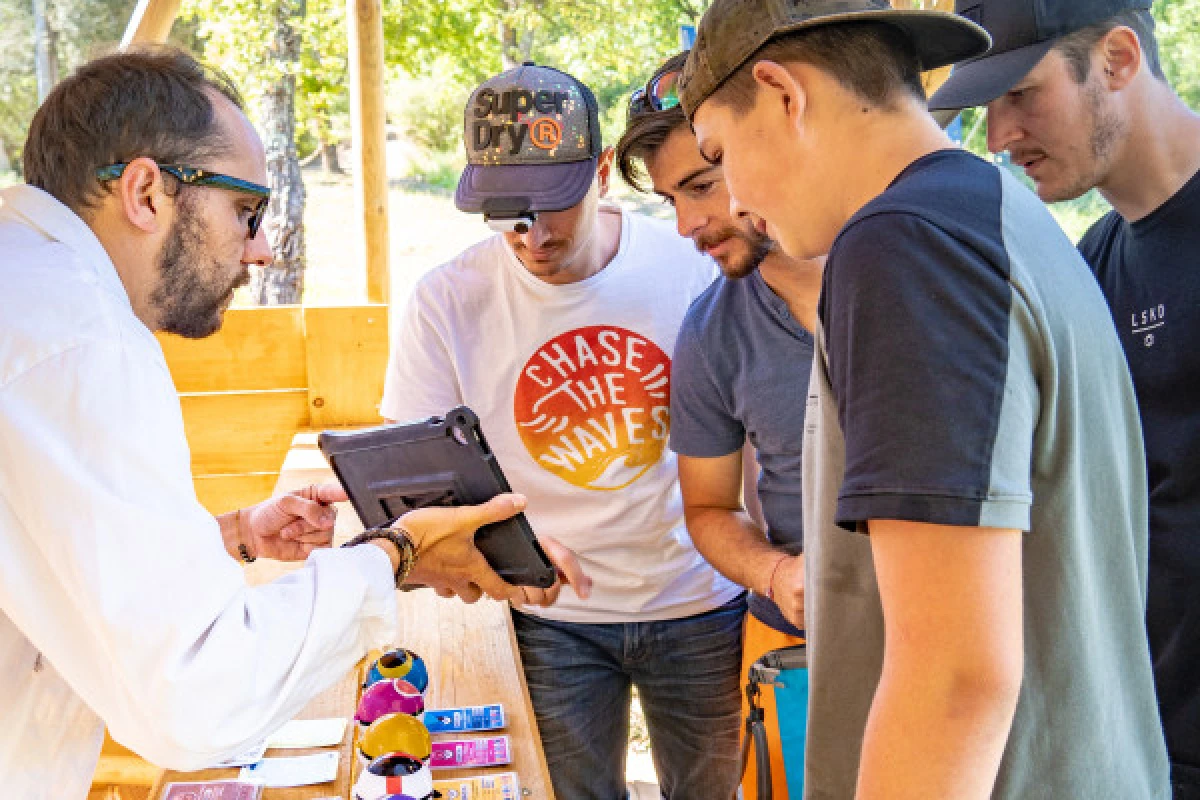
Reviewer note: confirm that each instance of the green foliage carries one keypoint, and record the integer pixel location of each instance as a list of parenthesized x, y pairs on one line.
[(1178, 31), (452, 45), (81, 28), (438, 170), (18, 87), (429, 110), (238, 37)]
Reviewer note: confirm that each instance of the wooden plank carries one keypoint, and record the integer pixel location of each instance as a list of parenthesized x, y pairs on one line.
[(150, 22), (222, 493), (256, 348), (239, 432), (364, 24), (125, 771), (347, 359)]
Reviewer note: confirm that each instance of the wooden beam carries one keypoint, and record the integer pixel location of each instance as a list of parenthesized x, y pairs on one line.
[(257, 348), (151, 22), (240, 432), (364, 20), (347, 360)]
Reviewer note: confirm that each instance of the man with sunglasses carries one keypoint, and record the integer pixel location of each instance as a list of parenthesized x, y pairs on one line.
[(557, 333), (742, 358), (121, 599)]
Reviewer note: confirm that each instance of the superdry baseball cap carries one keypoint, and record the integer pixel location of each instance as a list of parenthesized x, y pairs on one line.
[(732, 31), (1022, 31), (533, 140)]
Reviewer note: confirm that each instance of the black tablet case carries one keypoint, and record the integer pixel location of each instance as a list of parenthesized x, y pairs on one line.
[(392, 469)]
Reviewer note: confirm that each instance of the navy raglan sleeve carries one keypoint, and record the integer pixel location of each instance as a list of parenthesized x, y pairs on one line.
[(938, 423), (701, 423)]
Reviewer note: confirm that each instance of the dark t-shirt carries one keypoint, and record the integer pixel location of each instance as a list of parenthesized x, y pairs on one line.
[(967, 374), (1149, 272), (740, 372)]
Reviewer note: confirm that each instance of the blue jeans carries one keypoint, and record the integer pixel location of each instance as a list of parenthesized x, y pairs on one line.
[(687, 672)]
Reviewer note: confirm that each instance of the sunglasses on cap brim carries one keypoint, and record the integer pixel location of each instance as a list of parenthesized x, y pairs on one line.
[(660, 94)]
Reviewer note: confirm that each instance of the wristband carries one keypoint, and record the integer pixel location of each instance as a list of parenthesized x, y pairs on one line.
[(243, 551), (397, 536), (770, 595)]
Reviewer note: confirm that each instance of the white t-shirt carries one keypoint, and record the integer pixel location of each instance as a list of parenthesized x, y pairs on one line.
[(572, 387)]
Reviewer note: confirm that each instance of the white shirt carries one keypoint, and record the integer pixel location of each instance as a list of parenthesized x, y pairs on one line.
[(108, 564), (572, 387)]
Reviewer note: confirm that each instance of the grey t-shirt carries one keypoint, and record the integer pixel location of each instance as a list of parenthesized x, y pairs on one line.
[(742, 363), (968, 373)]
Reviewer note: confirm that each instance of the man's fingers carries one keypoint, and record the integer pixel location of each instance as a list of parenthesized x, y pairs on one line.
[(542, 597), (500, 507), (304, 536), (492, 584), (312, 512), (468, 592), (568, 566), (327, 493)]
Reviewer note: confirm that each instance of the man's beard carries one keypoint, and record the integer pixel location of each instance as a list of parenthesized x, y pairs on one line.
[(1107, 131), (759, 247), (189, 299)]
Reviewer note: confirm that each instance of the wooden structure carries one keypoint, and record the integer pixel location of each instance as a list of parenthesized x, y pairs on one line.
[(268, 374)]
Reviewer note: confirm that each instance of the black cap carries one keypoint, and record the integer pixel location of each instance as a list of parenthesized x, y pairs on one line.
[(1022, 31)]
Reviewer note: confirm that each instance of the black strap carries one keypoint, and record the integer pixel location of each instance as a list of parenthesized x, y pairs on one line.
[(756, 736)]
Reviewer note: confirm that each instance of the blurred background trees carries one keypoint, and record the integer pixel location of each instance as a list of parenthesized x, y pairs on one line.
[(290, 58)]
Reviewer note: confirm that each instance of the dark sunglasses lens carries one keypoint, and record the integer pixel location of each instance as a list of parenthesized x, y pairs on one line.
[(256, 218)]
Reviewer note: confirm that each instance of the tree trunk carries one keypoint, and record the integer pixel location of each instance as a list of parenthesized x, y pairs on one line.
[(326, 144), (283, 282), (329, 159), (510, 50), (45, 59)]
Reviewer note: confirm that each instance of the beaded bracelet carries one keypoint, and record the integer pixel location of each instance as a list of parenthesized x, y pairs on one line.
[(397, 536), (243, 551)]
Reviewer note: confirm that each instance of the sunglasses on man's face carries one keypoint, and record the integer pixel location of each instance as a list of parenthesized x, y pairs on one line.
[(660, 94), (192, 176)]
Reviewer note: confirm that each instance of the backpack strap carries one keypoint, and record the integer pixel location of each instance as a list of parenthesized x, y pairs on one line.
[(755, 735)]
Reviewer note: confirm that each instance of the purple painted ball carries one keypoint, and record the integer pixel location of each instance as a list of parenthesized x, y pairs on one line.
[(389, 697)]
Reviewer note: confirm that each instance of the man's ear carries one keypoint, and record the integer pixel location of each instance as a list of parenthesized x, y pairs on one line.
[(779, 86), (604, 169), (1119, 57), (141, 195)]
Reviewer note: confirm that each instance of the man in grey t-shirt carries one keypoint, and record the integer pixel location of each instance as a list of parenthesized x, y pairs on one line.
[(971, 411), (742, 359)]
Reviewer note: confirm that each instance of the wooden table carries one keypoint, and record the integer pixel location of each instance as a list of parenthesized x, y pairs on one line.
[(470, 650)]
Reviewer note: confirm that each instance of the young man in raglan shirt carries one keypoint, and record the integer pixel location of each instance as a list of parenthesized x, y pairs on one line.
[(558, 334), (974, 491), (742, 359), (1077, 96)]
